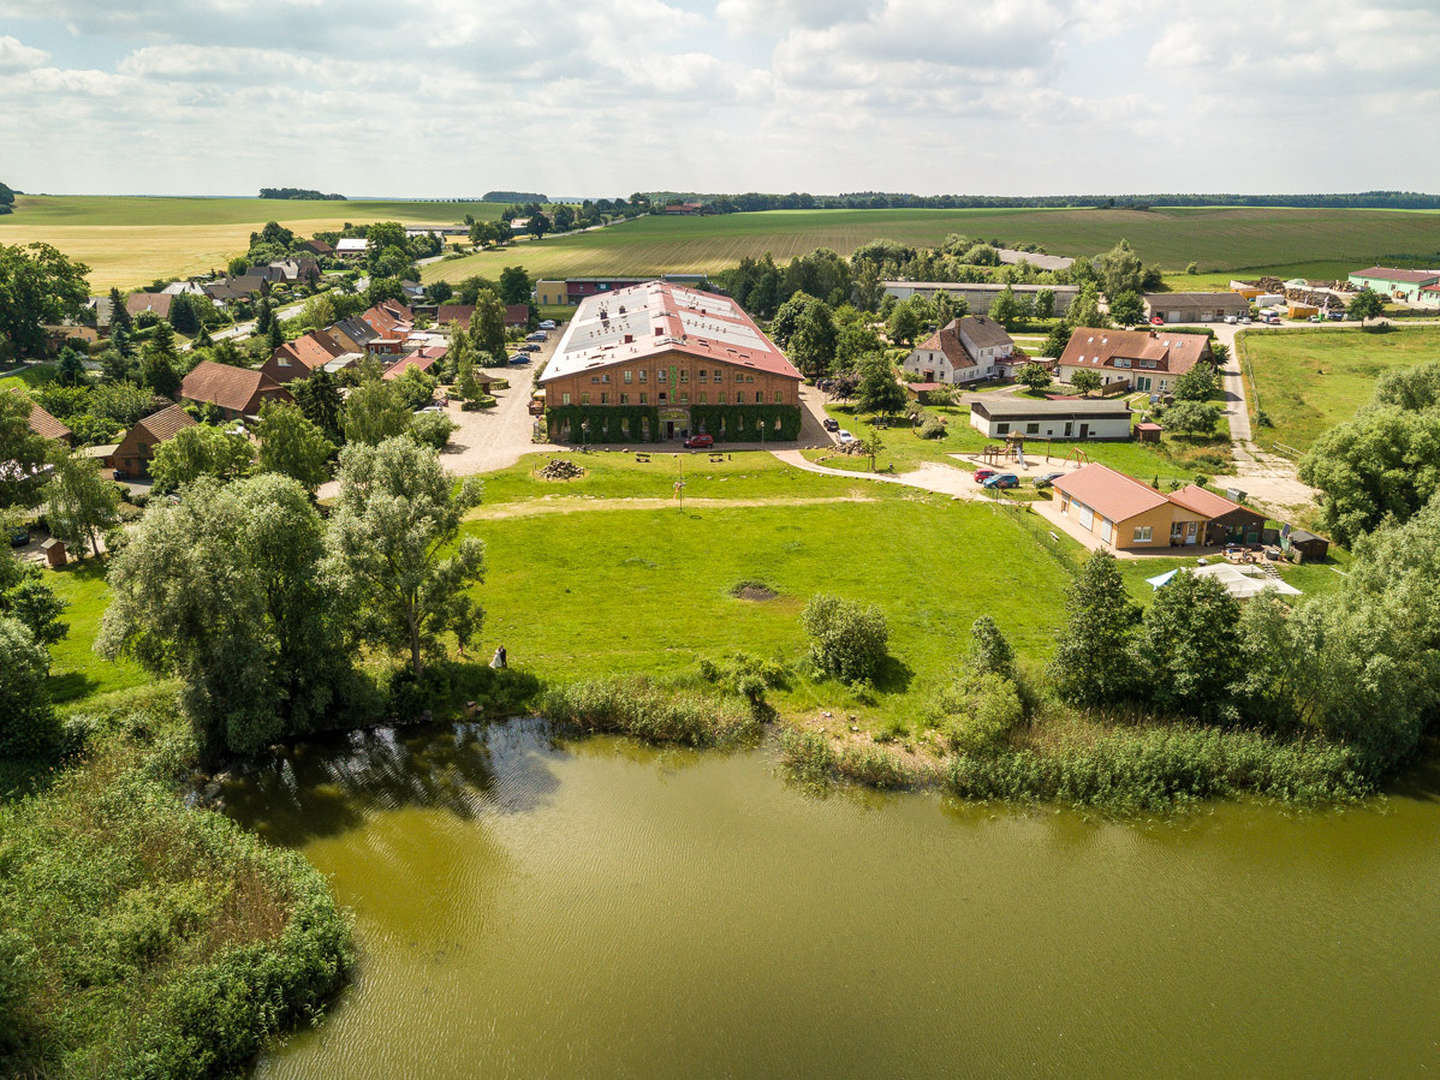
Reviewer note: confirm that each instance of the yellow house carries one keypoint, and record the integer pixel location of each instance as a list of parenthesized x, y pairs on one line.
[(1126, 514), (551, 293)]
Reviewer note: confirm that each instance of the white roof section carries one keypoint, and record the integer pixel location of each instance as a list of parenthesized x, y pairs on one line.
[(660, 316), (1239, 583), (352, 243)]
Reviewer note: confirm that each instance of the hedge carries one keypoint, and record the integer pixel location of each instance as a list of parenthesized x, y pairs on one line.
[(607, 423), (743, 423)]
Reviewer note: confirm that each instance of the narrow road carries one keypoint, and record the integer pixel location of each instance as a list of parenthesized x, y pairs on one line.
[(932, 476)]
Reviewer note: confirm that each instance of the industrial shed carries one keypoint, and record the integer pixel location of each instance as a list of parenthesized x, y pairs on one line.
[(1074, 418)]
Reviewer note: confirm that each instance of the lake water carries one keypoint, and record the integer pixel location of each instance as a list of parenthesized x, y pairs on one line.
[(599, 908)]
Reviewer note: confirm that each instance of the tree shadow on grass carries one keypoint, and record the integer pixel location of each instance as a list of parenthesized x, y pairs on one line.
[(894, 676), (71, 686)]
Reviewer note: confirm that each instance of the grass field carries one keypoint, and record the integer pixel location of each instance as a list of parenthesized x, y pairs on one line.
[(1307, 381), (75, 669), (128, 241), (1219, 239)]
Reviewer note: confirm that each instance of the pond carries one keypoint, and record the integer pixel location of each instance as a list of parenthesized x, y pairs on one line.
[(527, 906)]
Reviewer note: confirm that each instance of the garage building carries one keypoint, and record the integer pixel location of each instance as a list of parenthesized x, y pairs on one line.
[(1192, 307), (1073, 419)]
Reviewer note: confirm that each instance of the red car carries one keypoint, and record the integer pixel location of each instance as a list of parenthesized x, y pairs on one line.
[(981, 475), (1156, 320), (699, 442)]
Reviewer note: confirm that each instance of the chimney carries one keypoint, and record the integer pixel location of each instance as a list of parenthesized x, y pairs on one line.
[(629, 338)]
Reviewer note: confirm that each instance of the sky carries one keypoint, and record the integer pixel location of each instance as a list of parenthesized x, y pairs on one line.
[(433, 98)]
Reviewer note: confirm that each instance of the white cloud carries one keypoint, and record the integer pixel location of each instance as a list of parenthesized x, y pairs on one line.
[(17, 56)]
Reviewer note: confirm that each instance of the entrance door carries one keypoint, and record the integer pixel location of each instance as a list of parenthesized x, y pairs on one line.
[(1084, 431), (1177, 534), (669, 429), (1192, 532)]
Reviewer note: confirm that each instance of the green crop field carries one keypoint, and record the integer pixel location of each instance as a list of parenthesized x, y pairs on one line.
[(1218, 239), (1307, 381), (128, 241)]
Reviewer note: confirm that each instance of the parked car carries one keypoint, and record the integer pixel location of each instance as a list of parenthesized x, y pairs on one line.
[(844, 436), (1048, 479), (520, 358), (529, 348), (1003, 480), (1156, 320), (1335, 316), (981, 475), (1231, 319), (547, 324), (538, 335), (830, 424), (19, 537), (1245, 319), (699, 442)]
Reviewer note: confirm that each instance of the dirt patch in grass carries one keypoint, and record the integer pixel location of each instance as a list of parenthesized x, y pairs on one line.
[(753, 590)]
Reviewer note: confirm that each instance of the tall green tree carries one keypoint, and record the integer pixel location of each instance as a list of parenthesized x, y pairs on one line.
[(319, 399), (25, 596), (225, 590), (1365, 304), (395, 541), (878, 391), (23, 452), (200, 450), (374, 412), (515, 285), (812, 347), (904, 325), (487, 325), (1092, 665), (28, 727), (1120, 270), (38, 285), (119, 315), (1189, 649), (1087, 382), (1034, 376), (1004, 309), (293, 446), (80, 503), (1127, 308)]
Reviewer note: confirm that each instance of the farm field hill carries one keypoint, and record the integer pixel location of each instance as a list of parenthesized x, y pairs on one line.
[(1307, 381), (128, 241), (1218, 239)]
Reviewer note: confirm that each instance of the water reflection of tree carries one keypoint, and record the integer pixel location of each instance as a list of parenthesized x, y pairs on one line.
[(326, 785)]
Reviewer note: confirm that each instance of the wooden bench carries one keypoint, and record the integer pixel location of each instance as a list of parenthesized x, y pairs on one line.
[(643, 458), (717, 457)]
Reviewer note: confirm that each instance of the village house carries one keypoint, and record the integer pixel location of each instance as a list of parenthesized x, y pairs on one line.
[(445, 314), (964, 350), (1418, 287), (1143, 359), (423, 359), (298, 359), (677, 352), (45, 425), (1005, 416), (1123, 512), (132, 455), (140, 302), (234, 391), (1194, 307), (571, 291), (517, 314), (353, 334), (1226, 522), (352, 247)]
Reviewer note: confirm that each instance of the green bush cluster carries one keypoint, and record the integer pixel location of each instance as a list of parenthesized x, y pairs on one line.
[(847, 640), (144, 938), (636, 706), (1159, 767), (812, 757)]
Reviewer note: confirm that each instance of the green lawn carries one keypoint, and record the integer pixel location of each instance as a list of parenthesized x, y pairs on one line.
[(1175, 458), (613, 591), (76, 671), (34, 375), (1307, 380), (1218, 238), (172, 210)]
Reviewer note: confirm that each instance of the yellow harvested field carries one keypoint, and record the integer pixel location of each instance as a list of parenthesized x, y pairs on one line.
[(128, 256)]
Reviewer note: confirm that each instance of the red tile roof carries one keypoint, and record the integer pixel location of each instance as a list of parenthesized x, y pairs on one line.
[(159, 303), (228, 387), (460, 313), (165, 423), (1409, 277), (1095, 347), (517, 314), (1194, 497), (45, 425), (315, 349), (1109, 493), (424, 359)]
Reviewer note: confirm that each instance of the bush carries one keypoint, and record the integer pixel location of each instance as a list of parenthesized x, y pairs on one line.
[(432, 429), (847, 640), (932, 428), (28, 727)]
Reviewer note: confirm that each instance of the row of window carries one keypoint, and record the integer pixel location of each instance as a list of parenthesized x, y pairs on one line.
[(661, 375), (682, 398)]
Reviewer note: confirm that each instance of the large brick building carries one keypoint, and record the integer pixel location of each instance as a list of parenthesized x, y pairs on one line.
[(659, 361)]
